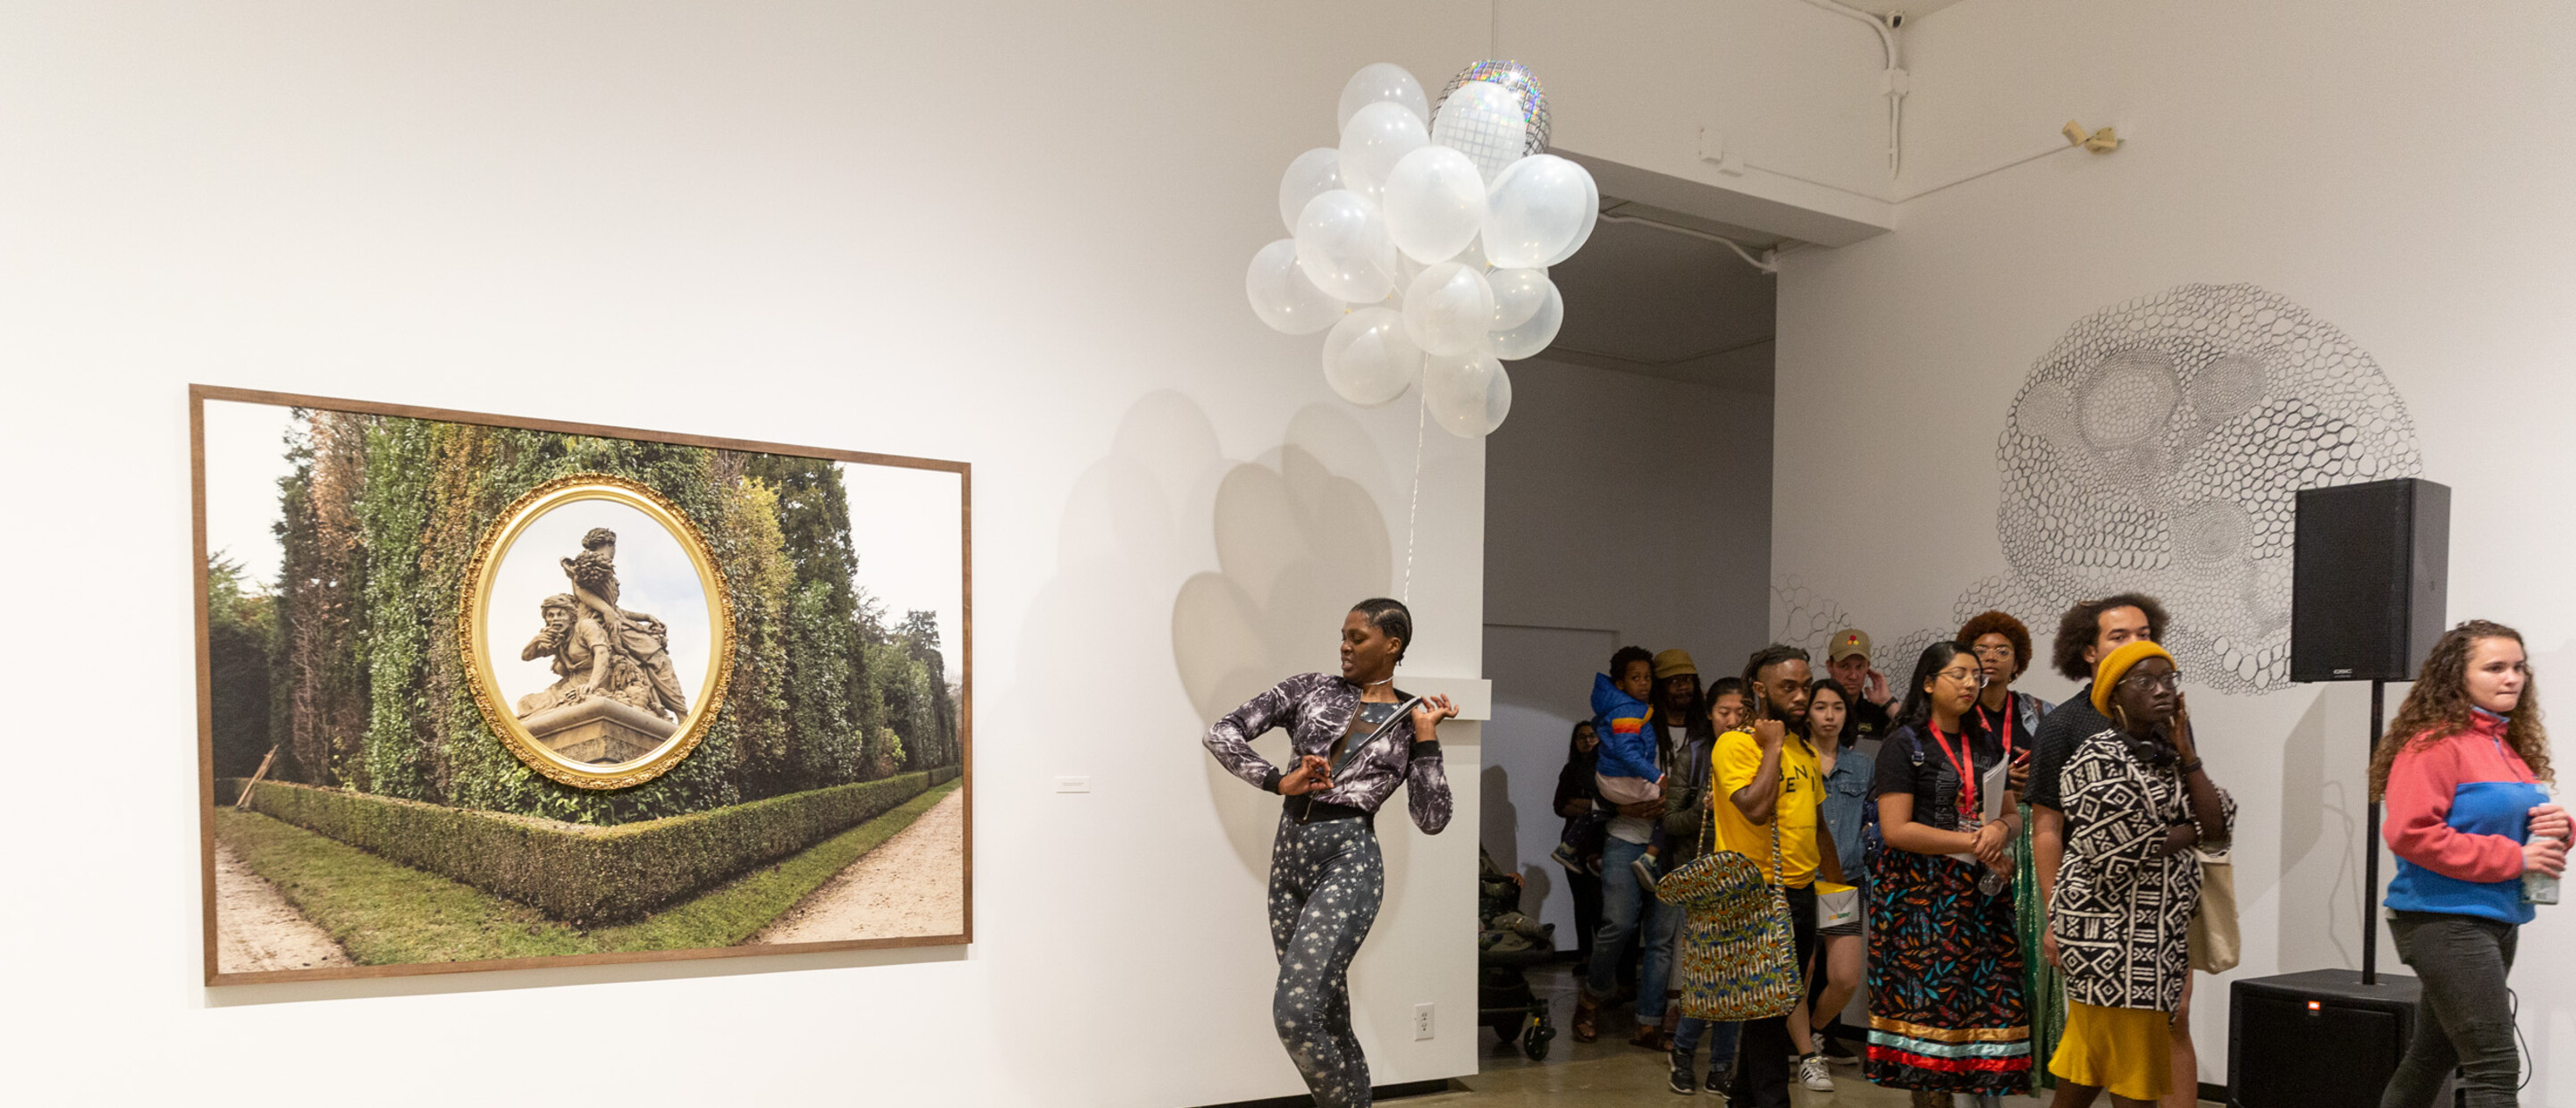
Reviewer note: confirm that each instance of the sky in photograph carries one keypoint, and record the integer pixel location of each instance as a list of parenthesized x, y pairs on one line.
[(906, 524)]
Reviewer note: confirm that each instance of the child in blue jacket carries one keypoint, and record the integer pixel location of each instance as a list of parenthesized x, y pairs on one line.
[(1625, 722)]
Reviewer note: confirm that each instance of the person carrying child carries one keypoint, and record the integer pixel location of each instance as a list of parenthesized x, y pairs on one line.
[(1629, 777)]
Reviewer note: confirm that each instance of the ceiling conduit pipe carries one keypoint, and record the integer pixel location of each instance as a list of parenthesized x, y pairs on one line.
[(1892, 79)]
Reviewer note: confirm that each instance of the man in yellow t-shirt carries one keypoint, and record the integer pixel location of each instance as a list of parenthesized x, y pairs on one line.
[(1767, 772)]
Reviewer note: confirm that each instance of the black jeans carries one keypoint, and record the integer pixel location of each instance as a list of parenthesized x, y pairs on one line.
[(1762, 1054), (2465, 1019)]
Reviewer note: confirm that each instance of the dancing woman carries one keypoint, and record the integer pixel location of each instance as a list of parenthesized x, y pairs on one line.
[(1354, 738)]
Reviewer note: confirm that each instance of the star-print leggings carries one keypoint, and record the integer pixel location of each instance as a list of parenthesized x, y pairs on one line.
[(1326, 882)]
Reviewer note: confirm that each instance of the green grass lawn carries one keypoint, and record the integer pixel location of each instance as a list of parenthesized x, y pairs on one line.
[(387, 913)]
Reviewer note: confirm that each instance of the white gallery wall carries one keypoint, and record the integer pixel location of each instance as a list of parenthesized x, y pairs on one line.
[(1619, 509), (2383, 166), (1011, 234)]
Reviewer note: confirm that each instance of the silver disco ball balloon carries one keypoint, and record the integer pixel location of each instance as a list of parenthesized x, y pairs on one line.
[(1524, 87)]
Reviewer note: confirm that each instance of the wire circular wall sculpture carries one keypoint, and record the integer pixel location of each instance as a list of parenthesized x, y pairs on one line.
[(2158, 448)]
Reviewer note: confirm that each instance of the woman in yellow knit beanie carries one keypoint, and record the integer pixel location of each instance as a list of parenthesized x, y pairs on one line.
[(2137, 803)]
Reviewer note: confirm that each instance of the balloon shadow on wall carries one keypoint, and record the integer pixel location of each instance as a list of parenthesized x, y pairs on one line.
[(1300, 536), (1296, 534)]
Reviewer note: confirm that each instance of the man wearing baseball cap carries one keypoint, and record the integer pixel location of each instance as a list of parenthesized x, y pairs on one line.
[(1847, 658)]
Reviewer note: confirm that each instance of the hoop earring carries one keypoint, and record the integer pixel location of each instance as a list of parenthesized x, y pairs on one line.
[(2123, 717)]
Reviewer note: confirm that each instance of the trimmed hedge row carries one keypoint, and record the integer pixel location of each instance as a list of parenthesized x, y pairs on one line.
[(944, 775), (582, 874)]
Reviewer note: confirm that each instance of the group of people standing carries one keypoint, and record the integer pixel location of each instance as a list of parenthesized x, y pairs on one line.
[(2015, 881), (2028, 874)]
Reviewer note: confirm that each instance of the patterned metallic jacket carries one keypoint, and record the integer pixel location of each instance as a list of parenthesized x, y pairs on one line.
[(2122, 912), (1316, 708)]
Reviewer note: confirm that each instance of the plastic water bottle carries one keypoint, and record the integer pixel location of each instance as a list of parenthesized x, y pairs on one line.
[(2538, 887)]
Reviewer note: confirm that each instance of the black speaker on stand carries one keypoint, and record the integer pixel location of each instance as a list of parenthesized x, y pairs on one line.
[(2366, 604)]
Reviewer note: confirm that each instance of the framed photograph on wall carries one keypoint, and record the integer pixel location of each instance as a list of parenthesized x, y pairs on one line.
[(480, 692)]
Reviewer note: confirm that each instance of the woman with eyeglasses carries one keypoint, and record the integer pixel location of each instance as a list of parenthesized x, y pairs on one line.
[(2137, 803), (1946, 1013), (2002, 646)]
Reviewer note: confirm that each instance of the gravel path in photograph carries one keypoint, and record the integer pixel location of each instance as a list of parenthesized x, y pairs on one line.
[(913, 884), (256, 929)]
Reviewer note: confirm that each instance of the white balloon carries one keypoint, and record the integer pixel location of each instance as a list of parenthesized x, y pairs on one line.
[(1448, 310), (1385, 81), (1435, 204), (1406, 269), (1314, 173), (1374, 140), (1482, 120), (1536, 209), (1473, 256), (1517, 295), (1368, 360), (1343, 248), (1469, 396), (1533, 334), (1591, 216), (1283, 296)]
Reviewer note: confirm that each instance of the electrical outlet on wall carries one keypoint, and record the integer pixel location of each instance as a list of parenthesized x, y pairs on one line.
[(1422, 1021)]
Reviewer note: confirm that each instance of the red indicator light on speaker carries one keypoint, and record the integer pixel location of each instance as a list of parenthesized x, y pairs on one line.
[(2312, 1006)]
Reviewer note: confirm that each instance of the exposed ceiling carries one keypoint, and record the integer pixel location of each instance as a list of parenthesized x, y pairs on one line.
[(1645, 299)]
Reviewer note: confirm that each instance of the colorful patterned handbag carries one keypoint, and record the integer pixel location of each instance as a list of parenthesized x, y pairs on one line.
[(1738, 959)]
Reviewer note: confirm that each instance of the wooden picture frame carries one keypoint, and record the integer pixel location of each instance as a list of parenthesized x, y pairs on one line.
[(628, 889)]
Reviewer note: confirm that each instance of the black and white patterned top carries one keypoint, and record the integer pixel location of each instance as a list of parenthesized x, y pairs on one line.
[(1316, 708), (2122, 911)]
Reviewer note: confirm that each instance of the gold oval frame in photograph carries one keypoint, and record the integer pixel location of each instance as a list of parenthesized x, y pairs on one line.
[(474, 630)]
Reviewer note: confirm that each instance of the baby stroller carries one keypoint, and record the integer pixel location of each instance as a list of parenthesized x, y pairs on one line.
[(1507, 945)]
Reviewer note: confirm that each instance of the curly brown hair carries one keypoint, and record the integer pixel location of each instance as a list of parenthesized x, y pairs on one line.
[(1999, 623), (2438, 707), (2082, 623)]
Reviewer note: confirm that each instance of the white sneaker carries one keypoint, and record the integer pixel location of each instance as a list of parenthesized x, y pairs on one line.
[(1811, 1073)]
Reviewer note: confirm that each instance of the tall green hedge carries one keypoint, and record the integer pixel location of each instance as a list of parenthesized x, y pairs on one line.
[(581, 874), (382, 514)]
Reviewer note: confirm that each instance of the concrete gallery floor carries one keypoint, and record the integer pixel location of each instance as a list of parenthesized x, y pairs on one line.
[(1609, 1073)]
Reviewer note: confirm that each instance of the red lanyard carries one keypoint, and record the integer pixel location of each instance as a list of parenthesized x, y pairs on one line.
[(2007, 731), (1966, 766)]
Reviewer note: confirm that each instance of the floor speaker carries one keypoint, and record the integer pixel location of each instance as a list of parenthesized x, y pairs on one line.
[(2320, 1039), (2367, 580)]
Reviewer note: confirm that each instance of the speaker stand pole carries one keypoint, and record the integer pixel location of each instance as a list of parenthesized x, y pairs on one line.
[(2370, 847)]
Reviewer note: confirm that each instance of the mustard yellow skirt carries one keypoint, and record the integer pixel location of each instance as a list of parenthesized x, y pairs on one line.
[(2128, 1051)]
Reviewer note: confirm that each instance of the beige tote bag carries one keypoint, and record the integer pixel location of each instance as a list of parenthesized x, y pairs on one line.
[(2216, 945)]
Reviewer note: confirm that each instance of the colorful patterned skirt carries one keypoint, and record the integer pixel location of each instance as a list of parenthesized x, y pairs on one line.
[(2042, 986), (1945, 980)]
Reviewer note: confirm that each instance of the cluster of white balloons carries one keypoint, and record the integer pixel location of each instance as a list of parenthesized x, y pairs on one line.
[(1423, 241)]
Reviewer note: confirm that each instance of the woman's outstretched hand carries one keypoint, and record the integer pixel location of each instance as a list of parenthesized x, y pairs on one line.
[(1312, 775), (1429, 712)]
